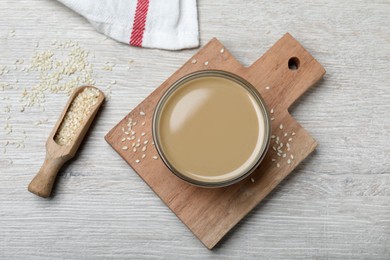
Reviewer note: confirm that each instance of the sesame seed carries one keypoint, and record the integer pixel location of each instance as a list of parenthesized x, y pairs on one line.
[(278, 165), (127, 133), (146, 141), (206, 63), (274, 148), (193, 61), (142, 113), (281, 126), (132, 137), (290, 139), (285, 134), (155, 157), (284, 155), (143, 123), (128, 138), (134, 123), (288, 161), (134, 149), (272, 111), (137, 145), (292, 156), (144, 149), (133, 145), (279, 154), (252, 180), (272, 118), (267, 87), (222, 50), (293, 133), (143, 133), (143, 156), (137, 161), (273, 159), (123, 139), (125, 148), (272, 136)]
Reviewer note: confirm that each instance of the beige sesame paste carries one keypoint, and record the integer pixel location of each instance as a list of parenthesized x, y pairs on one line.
[(211, 129)]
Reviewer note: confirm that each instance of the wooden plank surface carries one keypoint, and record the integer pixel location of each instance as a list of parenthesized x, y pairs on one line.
[(211, 213), (336, 205)]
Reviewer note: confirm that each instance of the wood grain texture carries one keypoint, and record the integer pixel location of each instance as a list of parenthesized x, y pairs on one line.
[(211, 213), (336, 205)]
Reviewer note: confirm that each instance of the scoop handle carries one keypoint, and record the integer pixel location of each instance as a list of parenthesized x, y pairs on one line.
[(43, 182)]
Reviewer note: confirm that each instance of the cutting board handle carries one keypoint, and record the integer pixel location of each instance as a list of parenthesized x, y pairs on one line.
[(291, 69), (43, 182)]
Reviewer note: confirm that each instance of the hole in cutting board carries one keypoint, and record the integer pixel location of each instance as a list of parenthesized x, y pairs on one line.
[(293, 63)]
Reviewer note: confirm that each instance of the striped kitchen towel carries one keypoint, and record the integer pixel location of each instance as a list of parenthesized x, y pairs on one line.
[(162, 24)]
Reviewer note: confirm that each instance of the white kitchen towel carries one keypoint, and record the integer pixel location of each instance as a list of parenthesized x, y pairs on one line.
[(162, 24)]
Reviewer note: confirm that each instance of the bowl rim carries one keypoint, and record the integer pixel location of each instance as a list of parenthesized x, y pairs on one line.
[(227, 75)]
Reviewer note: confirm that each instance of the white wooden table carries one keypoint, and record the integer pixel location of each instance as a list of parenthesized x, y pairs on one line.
[(336, 205)]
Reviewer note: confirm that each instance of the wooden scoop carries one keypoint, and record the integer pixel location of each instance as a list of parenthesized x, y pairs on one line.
[(56, 154)]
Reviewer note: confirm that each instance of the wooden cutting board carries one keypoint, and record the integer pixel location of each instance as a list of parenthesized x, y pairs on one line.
[(281, 76)]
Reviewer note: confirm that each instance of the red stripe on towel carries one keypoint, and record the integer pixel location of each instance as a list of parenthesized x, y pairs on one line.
[(137, 33)]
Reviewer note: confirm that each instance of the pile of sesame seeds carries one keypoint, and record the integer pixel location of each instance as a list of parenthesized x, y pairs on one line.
[(57, 73), (78, 111), (55, 67), (138, 144)]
